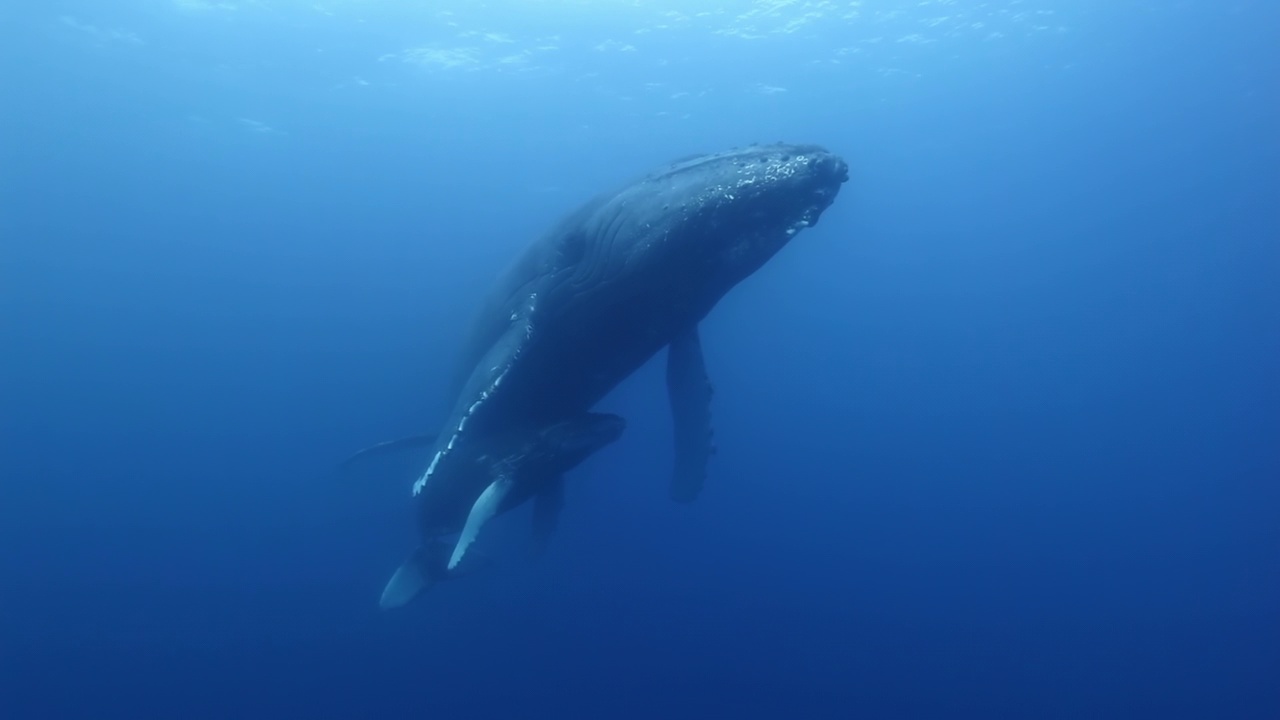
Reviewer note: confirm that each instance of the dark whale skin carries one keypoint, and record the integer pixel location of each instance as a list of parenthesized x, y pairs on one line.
[(618, 279)]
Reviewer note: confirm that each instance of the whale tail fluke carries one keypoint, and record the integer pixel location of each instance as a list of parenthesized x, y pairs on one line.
[(414, 577), (424, 568)]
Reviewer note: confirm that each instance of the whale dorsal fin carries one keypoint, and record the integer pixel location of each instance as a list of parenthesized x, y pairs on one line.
[(689, 390)]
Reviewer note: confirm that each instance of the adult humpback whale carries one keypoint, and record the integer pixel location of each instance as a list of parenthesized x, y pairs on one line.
[(627, 274)]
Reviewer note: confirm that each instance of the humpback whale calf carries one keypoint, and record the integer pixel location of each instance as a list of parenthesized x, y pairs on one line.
[(523, 465), (625, 275)]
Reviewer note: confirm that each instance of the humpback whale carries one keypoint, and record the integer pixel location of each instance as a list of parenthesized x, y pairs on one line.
[(508, 470), (616, 281)]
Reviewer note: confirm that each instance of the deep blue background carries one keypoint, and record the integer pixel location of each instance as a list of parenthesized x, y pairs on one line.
[(999, 438)]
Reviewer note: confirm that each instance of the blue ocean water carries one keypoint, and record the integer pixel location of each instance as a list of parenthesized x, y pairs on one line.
[(999, 438)]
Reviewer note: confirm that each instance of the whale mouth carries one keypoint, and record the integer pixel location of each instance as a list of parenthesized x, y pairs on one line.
[(825, 174), (830, 168), (822, 197), (809, 219)]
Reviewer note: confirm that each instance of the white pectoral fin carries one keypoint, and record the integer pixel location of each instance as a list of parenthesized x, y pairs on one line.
[(489, 373), (485, 507)]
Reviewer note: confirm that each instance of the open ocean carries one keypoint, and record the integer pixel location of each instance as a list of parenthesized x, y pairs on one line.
[(998, 438)]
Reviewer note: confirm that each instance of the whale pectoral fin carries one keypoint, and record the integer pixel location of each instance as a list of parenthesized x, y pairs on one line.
[(481, 384), (485, 507), (546, 514), (410, 580), (690, 392), (388, 447), (492, 366)]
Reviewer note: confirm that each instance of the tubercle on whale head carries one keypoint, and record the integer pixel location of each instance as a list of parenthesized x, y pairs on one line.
[(736, 209), (808, 175), (788, 185)]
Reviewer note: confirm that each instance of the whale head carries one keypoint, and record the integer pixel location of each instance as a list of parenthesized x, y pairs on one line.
[(787, 186), (723, 216)]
